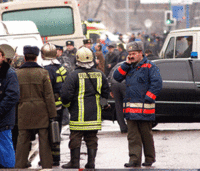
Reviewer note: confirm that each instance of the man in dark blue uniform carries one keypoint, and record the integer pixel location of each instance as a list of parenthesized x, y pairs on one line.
[(143, 84), (69, 55), (122, 52)]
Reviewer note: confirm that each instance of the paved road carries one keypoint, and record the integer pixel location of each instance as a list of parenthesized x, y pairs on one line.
[(177, 147)]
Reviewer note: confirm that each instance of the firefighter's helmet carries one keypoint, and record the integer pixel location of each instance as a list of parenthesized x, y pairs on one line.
[(8, 51), (84, 55), (48, 51), (17, 61)]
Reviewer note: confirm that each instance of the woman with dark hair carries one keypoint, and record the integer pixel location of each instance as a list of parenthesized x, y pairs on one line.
[(100, 61)]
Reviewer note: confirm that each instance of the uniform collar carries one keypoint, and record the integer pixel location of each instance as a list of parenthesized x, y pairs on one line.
[(30, 65), (50, 62)]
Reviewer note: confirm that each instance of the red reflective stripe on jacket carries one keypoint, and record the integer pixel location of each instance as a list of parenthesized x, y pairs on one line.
[(151, 95), (135, 110), (121, 71), (146, 65), (149, 111)]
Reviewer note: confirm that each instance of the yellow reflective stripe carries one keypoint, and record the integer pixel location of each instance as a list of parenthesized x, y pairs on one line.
[(58, 103), (85, 128), (85, 123), (139, 105), (99, 85), (55, 153), (92, 75), (67, 105), (81, 94), (61, 71), (60, 79)]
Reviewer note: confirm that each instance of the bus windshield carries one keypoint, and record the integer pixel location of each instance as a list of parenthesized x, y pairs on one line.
[(50, 21)]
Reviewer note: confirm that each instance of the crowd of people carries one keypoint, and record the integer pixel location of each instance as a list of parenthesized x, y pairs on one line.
[(70, 86)]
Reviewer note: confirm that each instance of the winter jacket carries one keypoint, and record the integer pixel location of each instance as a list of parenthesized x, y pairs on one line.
[(79, 93), (37, 103), (143, 84), (9, 96)]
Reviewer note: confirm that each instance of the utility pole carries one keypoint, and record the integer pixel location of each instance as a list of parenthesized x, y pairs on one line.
[(127, 16), (187, 17), (170, 8)]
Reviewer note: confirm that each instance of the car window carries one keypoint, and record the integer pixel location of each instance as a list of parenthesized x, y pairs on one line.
[(170, 49), (183, 46), (176, 71)]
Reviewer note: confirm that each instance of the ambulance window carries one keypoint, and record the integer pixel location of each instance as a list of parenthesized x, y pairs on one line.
[(183, 46), (170, 49)]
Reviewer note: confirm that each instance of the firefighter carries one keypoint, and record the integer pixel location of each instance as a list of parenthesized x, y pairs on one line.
[(79, 91), (57, 75)]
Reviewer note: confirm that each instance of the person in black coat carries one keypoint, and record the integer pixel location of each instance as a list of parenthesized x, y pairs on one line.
[(111, 59)]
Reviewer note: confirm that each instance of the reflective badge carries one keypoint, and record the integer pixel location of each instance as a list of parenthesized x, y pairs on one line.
[(130, 48)]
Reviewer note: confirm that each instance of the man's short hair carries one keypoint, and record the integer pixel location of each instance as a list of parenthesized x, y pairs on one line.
[(121, 46), (30, 57)]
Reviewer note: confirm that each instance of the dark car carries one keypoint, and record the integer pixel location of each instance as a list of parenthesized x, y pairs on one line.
[(179, 100)]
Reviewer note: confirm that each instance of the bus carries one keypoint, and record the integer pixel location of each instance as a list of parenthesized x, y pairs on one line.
[(57, 20)]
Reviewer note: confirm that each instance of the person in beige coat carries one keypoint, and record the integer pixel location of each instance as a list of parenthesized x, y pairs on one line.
[(36, 107)]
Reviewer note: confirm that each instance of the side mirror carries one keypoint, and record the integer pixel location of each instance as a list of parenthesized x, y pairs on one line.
[(84, 27)]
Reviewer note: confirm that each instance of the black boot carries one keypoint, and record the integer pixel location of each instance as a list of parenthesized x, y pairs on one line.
[(91, 158), (132, 164), (75, 158)]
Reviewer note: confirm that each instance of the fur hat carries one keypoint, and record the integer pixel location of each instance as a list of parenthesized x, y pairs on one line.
[(135, 46), (31, 50)]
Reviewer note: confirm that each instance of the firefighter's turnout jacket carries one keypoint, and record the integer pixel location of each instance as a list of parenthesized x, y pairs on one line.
[(79, 93), (57, 75)]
